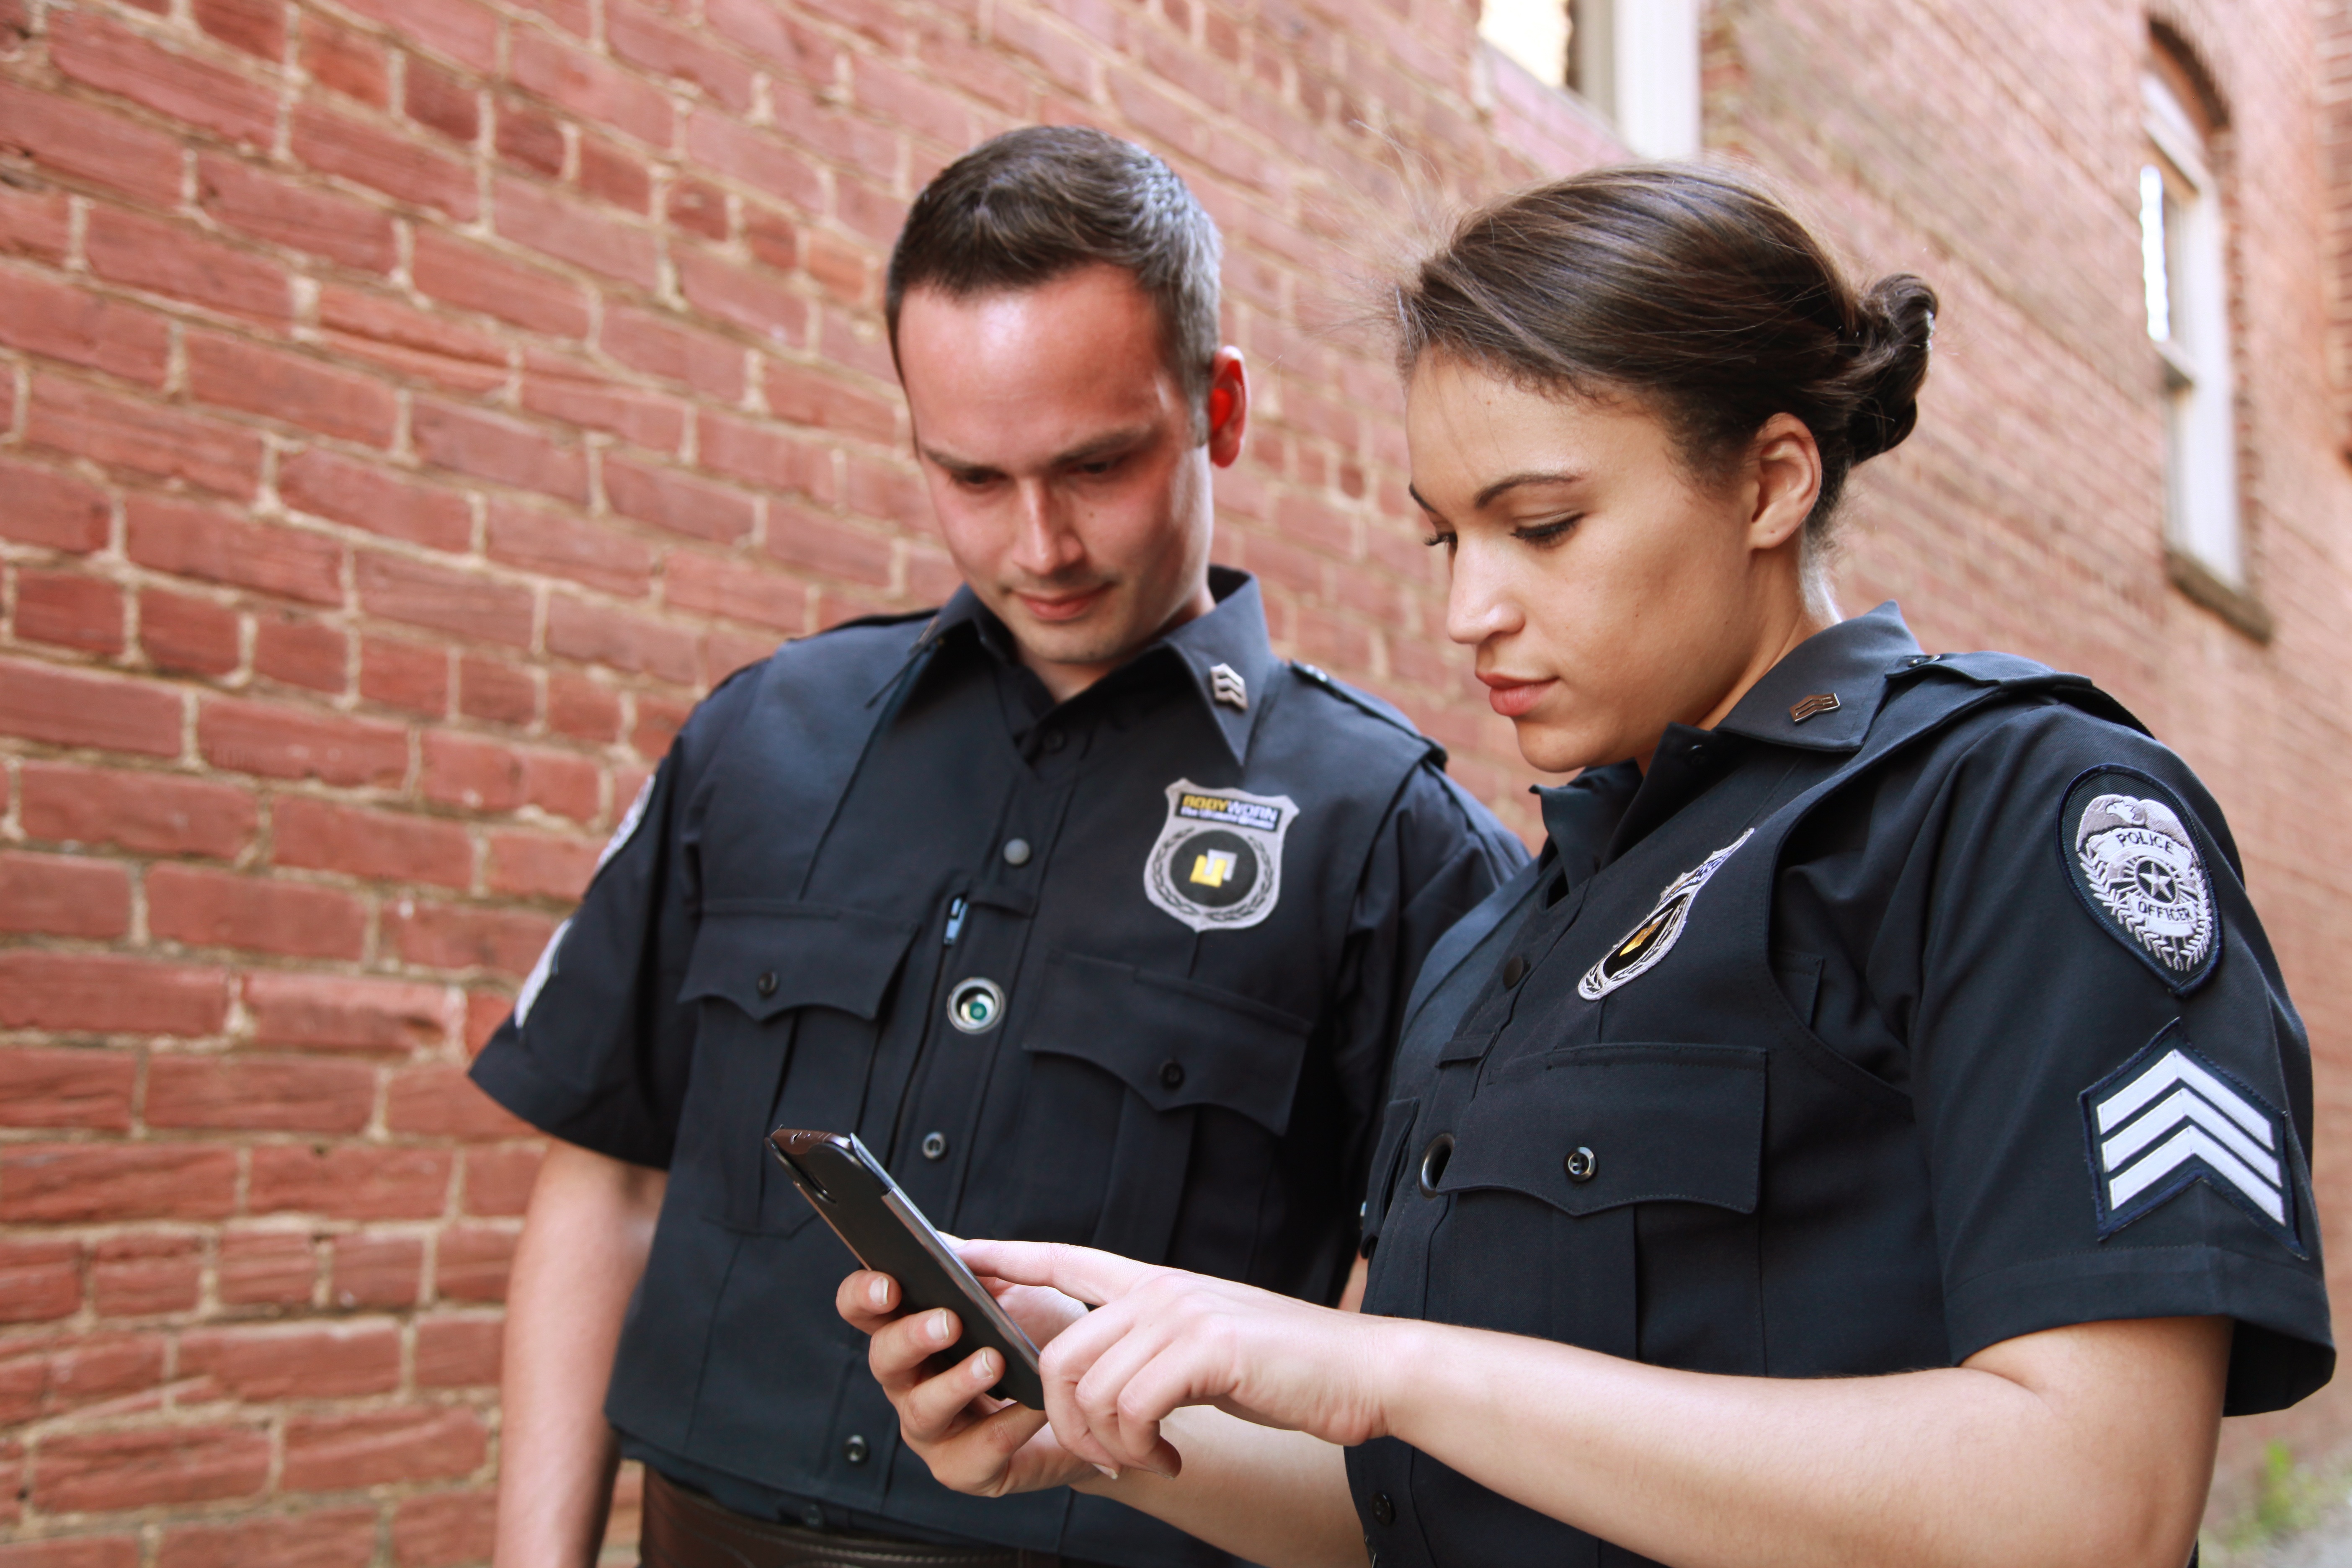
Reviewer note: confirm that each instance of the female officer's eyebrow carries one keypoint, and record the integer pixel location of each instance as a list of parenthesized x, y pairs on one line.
[(1512, 482)]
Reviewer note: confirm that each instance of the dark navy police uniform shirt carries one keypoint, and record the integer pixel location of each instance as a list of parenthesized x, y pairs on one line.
[(1917, 1007), (1125, 971)]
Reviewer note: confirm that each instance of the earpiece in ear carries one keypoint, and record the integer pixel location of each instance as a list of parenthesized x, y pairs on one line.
[(1220, 406)]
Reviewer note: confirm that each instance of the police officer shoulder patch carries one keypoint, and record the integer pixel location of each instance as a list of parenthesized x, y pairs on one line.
[(2136, 867), (1217, 863), (1654, 935), (2169, 1118)]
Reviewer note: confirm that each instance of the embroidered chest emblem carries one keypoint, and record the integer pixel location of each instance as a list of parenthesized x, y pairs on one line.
[(1217, 863), (2169, 1118), (1654, 936), (2139, 872)]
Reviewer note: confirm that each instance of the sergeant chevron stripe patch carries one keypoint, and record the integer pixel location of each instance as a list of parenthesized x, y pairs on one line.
[(2169, 1118)]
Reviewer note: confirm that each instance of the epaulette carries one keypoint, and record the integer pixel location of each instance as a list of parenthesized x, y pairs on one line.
[(2015, 673), (893, 618), (1385, 712)]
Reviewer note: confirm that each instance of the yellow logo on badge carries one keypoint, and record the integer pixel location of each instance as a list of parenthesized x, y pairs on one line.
[(1211, 868)]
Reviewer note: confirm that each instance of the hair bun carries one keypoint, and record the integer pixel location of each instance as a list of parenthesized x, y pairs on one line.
[(1896, 319)]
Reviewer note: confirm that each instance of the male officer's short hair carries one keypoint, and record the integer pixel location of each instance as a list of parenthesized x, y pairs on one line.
[(1023, 208)]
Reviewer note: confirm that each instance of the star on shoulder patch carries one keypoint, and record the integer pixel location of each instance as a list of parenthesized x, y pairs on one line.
[(2136, 867), (2169, 1118)]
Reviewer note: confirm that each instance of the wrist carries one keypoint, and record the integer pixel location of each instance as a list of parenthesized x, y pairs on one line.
[(1400, 1371)]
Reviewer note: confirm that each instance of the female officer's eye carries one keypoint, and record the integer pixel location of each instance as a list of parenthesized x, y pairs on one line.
[(1445, 537), (1547, 534)]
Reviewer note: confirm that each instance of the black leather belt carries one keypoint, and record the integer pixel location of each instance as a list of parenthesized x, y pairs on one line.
[(684, 1529)]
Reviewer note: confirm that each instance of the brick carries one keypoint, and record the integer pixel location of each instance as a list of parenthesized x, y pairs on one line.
[(443, 1530), (342, 60), (660, 348), (59, 136), (738, 153), (462, 604), (457, 1353), (458, 30), (100, 993), (276, 1094), (577, 392), (166, 257), (482, 775), (188, 636), (456, 936), (495, 692), (692, 205), (145, 1276), (492, 447), (37, 224), (805, 54), (545, 542), (641, 37), (55, 510), (229, 372), (216, 546), (256, 26), (68, 609), (217, 908), (473, 279), (333, 143), (537, 866), (62, 321), (566, 231), (80, 1183), (596, 633), (470, 1263), (336, 1453), (667, 498), (747, 297), (377, 1271), (323, 1538), (404, 675), (66, 1088), (112, 58), (291, 744), (499, 1181), (842, 268), (347, 1182), (725, 652), (345, 1013), (365, 496), (658, 723), (530, 139), (721, 585), (437, 1100), (485, 1011), (40, 1281), (826, 548), (598, 92), (435, 99), (50, 1377), (61, 895), (578, 707), (148, 1466), (266, 1269), (150, 813), (299, 651), (73, 1551), (762, 454), (68, 710), (612, 175), (384, 847), (410, 343), (125, 433), (262, 1366)]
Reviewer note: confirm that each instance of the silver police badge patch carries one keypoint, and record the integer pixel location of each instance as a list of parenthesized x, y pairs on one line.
[(2137, 868), (1217, 865), (1654, 936)]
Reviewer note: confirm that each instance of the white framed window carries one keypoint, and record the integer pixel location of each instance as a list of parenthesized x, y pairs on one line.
[(2184, 269), (1635, 62)]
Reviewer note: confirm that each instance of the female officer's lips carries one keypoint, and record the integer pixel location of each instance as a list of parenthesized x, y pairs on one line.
[(1510, 695), (1062, 606)]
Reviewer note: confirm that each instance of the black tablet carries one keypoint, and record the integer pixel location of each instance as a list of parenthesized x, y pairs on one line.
[(847, 1186)]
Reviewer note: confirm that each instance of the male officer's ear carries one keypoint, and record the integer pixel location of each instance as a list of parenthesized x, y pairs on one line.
[(1220, 407)]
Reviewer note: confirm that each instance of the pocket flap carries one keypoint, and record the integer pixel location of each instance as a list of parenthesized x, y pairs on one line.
[(774, 959), (1657, 1123), (1175, 1042)]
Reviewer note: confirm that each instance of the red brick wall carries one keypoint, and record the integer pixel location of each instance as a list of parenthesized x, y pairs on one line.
[(408, 406)]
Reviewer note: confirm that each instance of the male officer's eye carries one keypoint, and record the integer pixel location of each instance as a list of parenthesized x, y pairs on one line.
[(1100, 468)]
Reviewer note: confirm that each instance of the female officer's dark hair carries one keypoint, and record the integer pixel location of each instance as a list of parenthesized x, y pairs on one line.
[(1692, 287), (1023, 208)]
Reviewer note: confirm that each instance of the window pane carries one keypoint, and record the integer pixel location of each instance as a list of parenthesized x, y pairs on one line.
[(1532, 32), (2156, 274)]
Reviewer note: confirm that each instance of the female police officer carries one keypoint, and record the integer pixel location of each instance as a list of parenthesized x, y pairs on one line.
[(1874, 1130)]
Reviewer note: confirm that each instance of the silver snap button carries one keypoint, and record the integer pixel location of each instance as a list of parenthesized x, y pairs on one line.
[(766, 984), (1582, 1165), (856, 1449), (935, 1145), (975, 1005), (1016, 851)]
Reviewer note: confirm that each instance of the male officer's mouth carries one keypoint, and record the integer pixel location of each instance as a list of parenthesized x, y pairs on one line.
[(1510, 695), (1062, 606)]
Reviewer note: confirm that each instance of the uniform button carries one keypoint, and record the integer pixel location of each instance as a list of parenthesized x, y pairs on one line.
[(1171, 1075), (935, 1145), (1697, 750), (1434, 1161), (1515, 969), (1016, 851), (766, 984), (1383, 1510), (1581, 1164), (1055, 740), (855, 1448), (812, 1516)]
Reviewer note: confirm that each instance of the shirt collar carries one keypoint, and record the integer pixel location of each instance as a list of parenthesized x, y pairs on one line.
[(1226, 657), (1823, 696)]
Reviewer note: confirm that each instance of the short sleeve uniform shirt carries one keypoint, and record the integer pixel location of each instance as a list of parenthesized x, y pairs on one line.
[(1917, 1006), (1124, 972)]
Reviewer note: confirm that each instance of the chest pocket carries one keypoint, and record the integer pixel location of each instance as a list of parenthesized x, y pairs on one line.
[(1190, 1075), (789, 995)]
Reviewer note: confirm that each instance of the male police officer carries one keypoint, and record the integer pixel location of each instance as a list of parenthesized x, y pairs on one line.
[(1091, 916)]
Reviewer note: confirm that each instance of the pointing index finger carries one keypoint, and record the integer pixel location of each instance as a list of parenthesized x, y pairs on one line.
[(1079, 1271)]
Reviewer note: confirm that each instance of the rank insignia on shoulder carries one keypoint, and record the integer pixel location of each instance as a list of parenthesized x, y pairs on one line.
[(2136, 867), (2169, 1118), (1217, 863), (1657, 933)]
